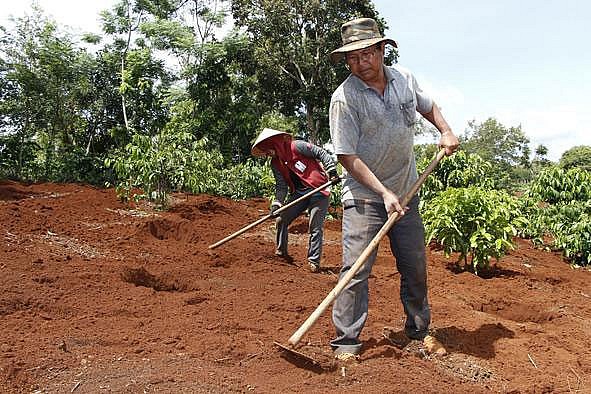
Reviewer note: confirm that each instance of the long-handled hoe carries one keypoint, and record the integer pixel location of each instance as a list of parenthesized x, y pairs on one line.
[(277, 212), (297, 336)]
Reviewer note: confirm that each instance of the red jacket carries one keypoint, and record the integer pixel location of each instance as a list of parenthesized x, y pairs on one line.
[(306, 168)]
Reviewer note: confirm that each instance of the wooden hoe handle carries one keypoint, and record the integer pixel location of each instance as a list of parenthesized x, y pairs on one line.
[(278, 211)]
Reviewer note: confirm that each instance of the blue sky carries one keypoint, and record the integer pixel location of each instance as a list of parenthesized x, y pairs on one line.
[(523, 62)]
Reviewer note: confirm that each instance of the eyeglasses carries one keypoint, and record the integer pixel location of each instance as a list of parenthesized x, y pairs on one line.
[(366, 55)]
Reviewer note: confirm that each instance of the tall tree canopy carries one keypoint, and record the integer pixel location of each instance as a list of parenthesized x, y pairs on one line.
[(577, 157), (47, 87), (292, 40), (507, 148), (497, 143)]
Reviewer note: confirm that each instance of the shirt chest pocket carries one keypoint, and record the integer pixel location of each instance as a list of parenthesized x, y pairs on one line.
[(409, 113), (402, 97)]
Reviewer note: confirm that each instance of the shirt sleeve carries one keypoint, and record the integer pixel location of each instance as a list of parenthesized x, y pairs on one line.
[(344, 128), (280, 185), (315, 152), (424, 101)]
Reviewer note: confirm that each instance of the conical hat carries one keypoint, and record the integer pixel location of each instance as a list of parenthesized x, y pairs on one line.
[(265, 134)]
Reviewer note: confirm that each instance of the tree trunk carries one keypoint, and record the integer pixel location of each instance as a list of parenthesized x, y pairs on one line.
[(311, 125), (123, 58)]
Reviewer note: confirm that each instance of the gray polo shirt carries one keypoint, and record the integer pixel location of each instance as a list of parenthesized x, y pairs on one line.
[(378, 129)]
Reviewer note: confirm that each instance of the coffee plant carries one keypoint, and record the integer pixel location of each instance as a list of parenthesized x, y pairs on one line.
[(163, 163), (569, 224), (555, 185), (575, 240), (458, 170), (475, 222), (250, 179)]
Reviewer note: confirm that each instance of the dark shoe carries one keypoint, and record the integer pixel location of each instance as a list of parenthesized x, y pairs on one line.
[(284, 257), (397, 338)]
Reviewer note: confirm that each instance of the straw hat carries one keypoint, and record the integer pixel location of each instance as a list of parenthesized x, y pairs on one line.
[(265, 135), (359, 34)]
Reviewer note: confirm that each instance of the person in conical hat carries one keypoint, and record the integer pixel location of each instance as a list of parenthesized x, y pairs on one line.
[(298, 167), (371, 117)]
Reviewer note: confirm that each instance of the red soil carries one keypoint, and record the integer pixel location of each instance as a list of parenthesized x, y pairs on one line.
[(99, 297)]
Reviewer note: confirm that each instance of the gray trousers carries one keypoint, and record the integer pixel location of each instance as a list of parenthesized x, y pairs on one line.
[(317, 206), (361, 222)]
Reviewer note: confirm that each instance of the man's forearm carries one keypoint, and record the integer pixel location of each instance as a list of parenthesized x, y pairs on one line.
[(435, 117), (448, 140)]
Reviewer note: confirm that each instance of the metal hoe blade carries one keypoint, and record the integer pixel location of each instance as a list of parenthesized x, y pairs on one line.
[(298, 354)]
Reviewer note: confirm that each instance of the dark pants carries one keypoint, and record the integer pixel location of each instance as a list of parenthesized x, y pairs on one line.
[(317, 206), (361, 222)]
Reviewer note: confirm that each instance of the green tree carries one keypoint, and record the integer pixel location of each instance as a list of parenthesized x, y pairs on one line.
[(577, 157), (278, 121), (541, 151), (213, 94), (143, 77), (540, 160), (224, 106), (292, 41), (182, 27), (507, 148), (47, 82), (124, 20)]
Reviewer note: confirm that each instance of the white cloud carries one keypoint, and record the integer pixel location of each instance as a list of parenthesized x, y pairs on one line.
[(452, 101), (80, 15), (446, 95), (559, 128)]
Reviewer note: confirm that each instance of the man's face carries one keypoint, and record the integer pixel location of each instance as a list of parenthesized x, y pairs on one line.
[(366, 63)]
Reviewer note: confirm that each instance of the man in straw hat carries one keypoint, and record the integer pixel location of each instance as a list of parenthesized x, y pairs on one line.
[(372, 114), (296, 165)]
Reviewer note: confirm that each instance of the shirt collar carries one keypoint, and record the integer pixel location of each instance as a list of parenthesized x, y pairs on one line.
[(360, 85), (389, 73)]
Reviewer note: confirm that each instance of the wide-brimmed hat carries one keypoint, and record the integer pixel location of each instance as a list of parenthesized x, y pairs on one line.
[(359, 34), (265, 135)]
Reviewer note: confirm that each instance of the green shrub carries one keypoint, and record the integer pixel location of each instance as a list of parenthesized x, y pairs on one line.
[(164, 163), (458, 170), (246, 180), (535, 227), (570, 225), (556, 185), (575, 240), (475, 222), (577, 157), (335, 200), (565, 226)]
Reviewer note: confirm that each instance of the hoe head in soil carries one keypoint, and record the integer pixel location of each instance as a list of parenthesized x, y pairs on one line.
[(305, 360)]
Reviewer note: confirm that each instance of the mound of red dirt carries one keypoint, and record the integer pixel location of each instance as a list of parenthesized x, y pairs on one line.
[(99, 297)]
